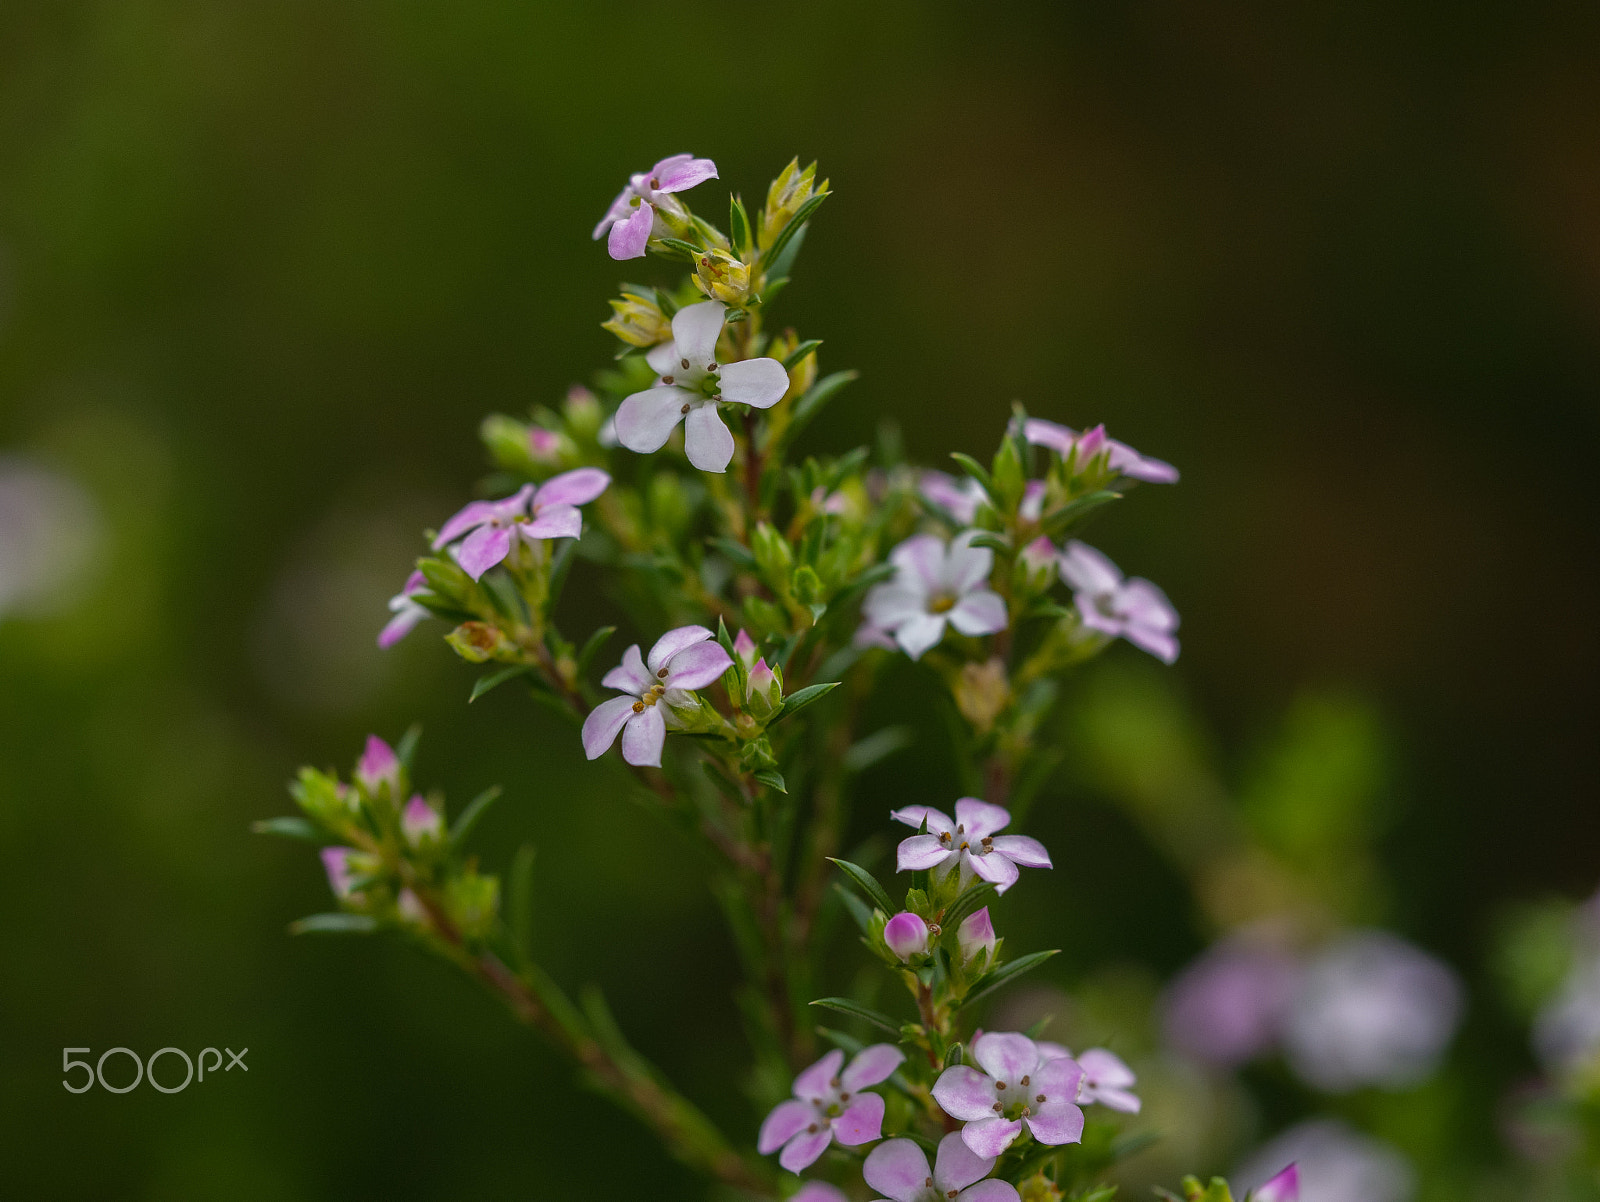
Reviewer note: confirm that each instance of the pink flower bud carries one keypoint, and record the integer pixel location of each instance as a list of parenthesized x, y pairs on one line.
[(1285, 1187), (744, 649), (975, 934), (420, 822), (379, 766), (411, 909), (544, 445), (1039, 556), (906, 935), (336, 861)]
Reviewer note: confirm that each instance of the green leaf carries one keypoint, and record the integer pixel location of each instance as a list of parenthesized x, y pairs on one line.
[(288, 828), (1005, 974), (495, 679), (859, 912), (736, 551), (952, 1055), (469, 817), (814, 398), (520, 900), (1055, 523), (995, 542), (797, 701), (877, 746), (334, 924), (777, 272), (686, 249), (855, 1009), (772, 779), (798, 356), (979, 473), (406, 749), (725, 786), (867, 883), (738, 225), (1125, 1146), (975, 895), (802, 215), (848, 1044), (592, 648)]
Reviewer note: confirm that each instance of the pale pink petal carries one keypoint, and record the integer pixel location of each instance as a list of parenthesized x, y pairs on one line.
[(997, 870), (921, 852), (1020, 849), (695, 329), (397, 627), (1032, 501), (1143, 603), (680, 173), (630, 675), (646, 419), (631, 234), (1090, 443), (967, 566), (898, 1168), (643, 738), (707, 441), (991, 1191), (1086, 570), (482, 549), (759, 383), (604, 721), (803, 1149), (1049, 434), (1049, 1050), (920, 633), (922, 560), (991, 1136), (871, 1065), (892, 603), (938, 821), (1141, 467), (979, 818), (956, 1166), (1104, 1068), (958, 497), (1005, 1055), (1056, 1123), (696, 667), (577, 487), (618, 210), (1091, 616), (818, 1191), (1285, 1187), (862, 1121), (964, 1093), (555, 521), (979, 612), (663, 358), (1157, 642), (475, 513), (788, 1119), (817, 1080), (668, 645), (1115, 1099), (1058, 1077)]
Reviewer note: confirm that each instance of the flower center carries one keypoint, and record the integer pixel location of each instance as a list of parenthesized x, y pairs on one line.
[(650, 698), (941, 603)]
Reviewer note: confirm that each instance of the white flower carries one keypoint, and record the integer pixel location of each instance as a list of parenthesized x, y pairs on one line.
[(933, 586)]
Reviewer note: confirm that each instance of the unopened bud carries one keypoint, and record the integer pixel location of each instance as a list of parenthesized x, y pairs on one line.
[(722, 277), (788, 192), (638, 320), (1036, 565), (343, 866), (583, 412), (420, 822), (546, 446), (379, 767), (906, 935), (975, 935), (478, 642), (744, 649), (764, 692)]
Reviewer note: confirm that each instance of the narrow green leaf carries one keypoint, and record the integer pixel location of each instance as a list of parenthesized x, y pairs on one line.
[(772, 779), (591, 648), (867, 883), (848, 1044), (879, 745), (720, 779), (469, 817), (952, 1055), (334, 924), (1056, 523), (797, 701), (494, 680), (288, 828), (798, 356), (859, 912), (856, 1010), (736, 551), (406, 749), (995, 542), (738, 226), (724, 639), (687, 250), (1005, 974), (979, 473), (774, 253)]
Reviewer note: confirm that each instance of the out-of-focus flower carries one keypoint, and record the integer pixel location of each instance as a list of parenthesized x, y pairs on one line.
[(1228, 1006), (682, 660), (636, 212), (419, 822), (1333, 1163), (969, 842), (959, 498), (975, 935), (1132, 609), (379, 768), (49, 531), (691, 385), (1370, 1010), (934, 585), (637, 319), (1566, 1030), (906, 935), (407, 613), (830, 1105), (1107, 1080), (819, 1191), (898, 1168), (343, 865), (1121, 457), (411, 910), (1285, 1187), (1016, 1086), (549, 511)]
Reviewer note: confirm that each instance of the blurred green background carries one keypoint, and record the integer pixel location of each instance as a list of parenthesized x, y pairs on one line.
[(263, 267)]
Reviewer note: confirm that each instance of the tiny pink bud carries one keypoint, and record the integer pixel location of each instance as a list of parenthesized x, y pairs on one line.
[(761, 679), (1039, 556), (1091, 443), (975, 934), (906, 935), (420, 821), (744, 649), (336, 860), (379, 766), (544, 445), (1285, 1187)]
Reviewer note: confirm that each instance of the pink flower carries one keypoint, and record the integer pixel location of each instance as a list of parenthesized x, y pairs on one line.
[(1121, 457), (692, 383), (934, 585), (407, 613), (420, 822), (1016, 1086), (378, 767), (1106, 1080), (959, 498), (550, 511), (745, 650), (1229, 1005), (682, 660), (337, 862), (819, 1191), (906, 935), (969, 842), (1285, 1187), (632, 215), (829, 1105), (899, 1168), (975, 935), (1133, 609)]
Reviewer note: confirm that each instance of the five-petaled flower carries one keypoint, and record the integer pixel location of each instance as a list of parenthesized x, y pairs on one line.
[(830, 1105), (1017, 1085), (970, 842), (1133, 609), (548, 511), (407, 613), (1107, 1080), (1121, 458), (682, 660), (899, 1169), (632, 217), (934, 585), (691, 384)]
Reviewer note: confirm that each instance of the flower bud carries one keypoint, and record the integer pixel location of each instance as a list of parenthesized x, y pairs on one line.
[(546, 446), (788, 192), (804, 373), (722, 277), (583, 413), (906, 935), (1036, 565), (343, 865), (379, 767), (764, 691), (420, 822), (975, 935), (638, 320), (744, 649), (478, 642), (772, 551)]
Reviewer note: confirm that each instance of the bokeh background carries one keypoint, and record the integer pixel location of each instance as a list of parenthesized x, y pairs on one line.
[(263, 267)]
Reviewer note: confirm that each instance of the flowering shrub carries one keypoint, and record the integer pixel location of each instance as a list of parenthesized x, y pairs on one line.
[(768, 586)]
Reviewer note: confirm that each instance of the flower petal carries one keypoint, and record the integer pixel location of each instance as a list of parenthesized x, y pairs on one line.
[(577, 487), (1114, 1099), (663, 358), (920, 852), (980, 611), (555, 521), (921, 563), (696, 667), (991, 1136), (681, 172), (862, 1121), (1058, 1078), (629, 235), (1157, 642), (695, 329), (804, 1148), (668, 645), (1056, 1123), (604, 721), (956, 1166), (888, 605), (788, 1119), (817, 1080), (1104, 1068), (643, 737), (967, 566), (645, 420), (1086, 570), (819, 1191), (898, 1168), (1285, 1187), (482, 549), (938, 821), (991, 1191), (630, 675), (618, 210), (1057, 437), (871, 1065), (1020, 849), (964, 1093), (1005, 1055), (707, 441), (1135, 466), (474, 513), (397, 627), (759, 383), (919, 633), (959, 498), (979, 818), (996, 869)]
